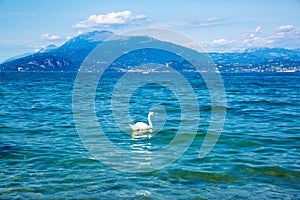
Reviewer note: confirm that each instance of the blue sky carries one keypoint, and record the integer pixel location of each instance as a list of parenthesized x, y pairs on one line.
[(27, 26)]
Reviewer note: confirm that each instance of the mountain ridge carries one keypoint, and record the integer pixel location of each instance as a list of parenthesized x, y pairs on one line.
[(70, 55)]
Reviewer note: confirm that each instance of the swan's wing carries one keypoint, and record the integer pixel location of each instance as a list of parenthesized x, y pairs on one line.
[(134, 127), (142, 125)]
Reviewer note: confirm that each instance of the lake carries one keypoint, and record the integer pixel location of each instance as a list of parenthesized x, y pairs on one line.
[(43, 156)]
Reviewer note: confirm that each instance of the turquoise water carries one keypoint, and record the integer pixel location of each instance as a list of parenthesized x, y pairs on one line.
[(256, 157)]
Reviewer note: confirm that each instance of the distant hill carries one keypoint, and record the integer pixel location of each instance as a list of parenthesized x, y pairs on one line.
[(67, 57), (16, 57), (259, 60), (71, 54)]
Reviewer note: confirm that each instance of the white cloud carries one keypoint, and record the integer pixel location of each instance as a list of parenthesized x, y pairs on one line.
[(258, 29), (47, 36), (255, 38), (190, 23), (286, 28), (278, 35), (286, 36), (257, 42), (111, 20), (211, 21), (46, 40), (286, 32), (220, 42), (253, 33)]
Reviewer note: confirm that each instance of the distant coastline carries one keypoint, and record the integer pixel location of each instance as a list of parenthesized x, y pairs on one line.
[(70, 55)]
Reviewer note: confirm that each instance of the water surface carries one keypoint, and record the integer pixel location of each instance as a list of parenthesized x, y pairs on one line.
[(256, 157)]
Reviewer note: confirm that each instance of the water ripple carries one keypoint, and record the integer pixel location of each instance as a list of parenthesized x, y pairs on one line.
[(256, 157)]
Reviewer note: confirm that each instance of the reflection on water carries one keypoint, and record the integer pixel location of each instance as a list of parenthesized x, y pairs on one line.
[(142, 145), (142, 134)]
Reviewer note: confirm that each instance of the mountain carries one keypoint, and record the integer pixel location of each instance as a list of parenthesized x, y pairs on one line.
[(16, 57), (48, 48), (258, 55), (71, 54), (67, 57), (259, 60)]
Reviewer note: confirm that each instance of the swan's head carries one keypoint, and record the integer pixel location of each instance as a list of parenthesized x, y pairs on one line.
[(152, 114)]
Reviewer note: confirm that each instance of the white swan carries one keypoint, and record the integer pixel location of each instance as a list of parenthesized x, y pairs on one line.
[(139, 126)]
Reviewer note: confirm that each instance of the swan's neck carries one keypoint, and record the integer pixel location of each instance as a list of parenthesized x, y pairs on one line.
[(149, 121)]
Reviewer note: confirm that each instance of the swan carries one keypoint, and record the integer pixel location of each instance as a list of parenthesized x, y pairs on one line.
[(139, 126)]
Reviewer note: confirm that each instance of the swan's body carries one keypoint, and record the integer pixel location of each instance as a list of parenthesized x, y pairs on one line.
[(139, 126)]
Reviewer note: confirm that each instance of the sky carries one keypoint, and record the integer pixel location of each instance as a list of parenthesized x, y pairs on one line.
[(28, 26)]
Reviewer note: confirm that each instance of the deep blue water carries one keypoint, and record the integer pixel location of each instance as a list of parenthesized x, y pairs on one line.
[(256, 157)]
